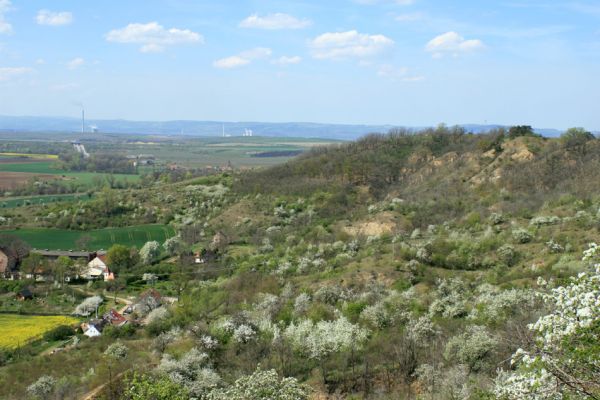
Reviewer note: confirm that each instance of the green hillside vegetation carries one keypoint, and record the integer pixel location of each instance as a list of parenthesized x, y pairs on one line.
[(400, 266)]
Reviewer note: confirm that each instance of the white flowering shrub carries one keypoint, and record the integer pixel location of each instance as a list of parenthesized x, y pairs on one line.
[(88, 306), (416, 234), (507, 254), (329, 294), (208, 342), (117, 351), (268, 305), (301, 303), (319, 340), (164, 339), (563, 362), (545, 220), (244, 333), (284, 268), (158, 314), (493, 304), (496, 218), (471, 348), (554, 247), (42, 388), (377, 316), (149, 252), (262, 385), (266, 247), (450, 299), (193, 371), (422, 330), (521, 236)]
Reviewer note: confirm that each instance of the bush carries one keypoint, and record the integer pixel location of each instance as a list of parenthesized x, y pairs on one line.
[(61, 332), (522, 236)]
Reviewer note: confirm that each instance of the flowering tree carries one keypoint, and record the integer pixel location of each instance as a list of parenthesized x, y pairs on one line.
[(192, 371), (564, 360), (319, 341), (174, 245), (88, 306), (149, 252), (261, 385), (42, 388)]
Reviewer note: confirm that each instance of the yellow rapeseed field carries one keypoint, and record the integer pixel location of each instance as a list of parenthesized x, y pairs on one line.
[(16, 330), (31, 155)]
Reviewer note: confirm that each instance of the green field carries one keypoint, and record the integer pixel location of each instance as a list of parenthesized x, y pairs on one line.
[(60, 239), (86, 178), (17, 330), (32, 200)]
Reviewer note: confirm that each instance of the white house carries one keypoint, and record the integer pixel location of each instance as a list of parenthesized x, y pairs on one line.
[(91, 331), (97, 269)]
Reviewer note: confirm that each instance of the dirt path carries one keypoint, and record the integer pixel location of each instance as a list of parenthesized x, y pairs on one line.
[(91, 395)]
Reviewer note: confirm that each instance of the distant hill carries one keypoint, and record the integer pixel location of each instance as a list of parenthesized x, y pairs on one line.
[(214, 128)]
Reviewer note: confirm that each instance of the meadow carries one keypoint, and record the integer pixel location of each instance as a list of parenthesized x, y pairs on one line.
[(17, 330), (55, 239)]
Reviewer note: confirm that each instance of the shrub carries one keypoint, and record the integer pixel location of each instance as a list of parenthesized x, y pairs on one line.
[(61, 332), (471, 347), (522, 236)]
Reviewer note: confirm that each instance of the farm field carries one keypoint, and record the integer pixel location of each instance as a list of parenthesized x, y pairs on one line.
[(242, 152), (20, 172), (16, 330), (30, 156), (61, 239)]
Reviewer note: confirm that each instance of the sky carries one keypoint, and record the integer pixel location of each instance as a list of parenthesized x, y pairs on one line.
[(400, 62)]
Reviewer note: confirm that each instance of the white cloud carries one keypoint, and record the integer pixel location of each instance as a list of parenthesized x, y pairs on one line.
[(339, 45), (274, 21), (257, 52), (452, 43), (5, 7), (152, 36), (231, 62), (397, 73), (40, 61), (285, 60), (7, 73), (75, 63), (243, 58), (46, 17)]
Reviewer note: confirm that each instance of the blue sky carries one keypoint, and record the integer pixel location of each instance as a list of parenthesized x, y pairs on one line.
[(406, 62)]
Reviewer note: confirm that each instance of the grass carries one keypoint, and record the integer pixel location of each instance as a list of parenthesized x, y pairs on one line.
[(55, 239), (86, 178), (32, 200), (16, 330)]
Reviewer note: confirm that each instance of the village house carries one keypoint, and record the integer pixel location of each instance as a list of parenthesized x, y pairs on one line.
[(94, 327), (97, 269), (148, 301), (8, 264)]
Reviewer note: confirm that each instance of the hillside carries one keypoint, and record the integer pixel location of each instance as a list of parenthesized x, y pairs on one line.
[(399, 266)]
